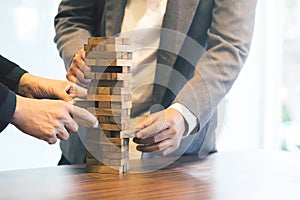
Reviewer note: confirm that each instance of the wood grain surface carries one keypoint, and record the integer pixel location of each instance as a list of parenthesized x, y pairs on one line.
[(256, 175)]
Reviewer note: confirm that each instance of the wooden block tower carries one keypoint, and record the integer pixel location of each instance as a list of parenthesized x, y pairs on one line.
[(109, 99)]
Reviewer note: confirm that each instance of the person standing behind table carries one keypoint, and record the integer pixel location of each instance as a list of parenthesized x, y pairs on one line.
[(223, 28), (47, 120)]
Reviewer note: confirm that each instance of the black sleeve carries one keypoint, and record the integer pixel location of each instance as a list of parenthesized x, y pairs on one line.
[(10, 74), (7, 106)]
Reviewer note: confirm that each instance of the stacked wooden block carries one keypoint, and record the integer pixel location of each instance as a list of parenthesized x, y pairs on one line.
[(109, 99)]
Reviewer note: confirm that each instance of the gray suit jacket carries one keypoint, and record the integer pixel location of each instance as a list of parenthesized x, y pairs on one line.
[(203, 46)]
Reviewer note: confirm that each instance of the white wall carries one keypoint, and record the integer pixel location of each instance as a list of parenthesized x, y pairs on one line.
[(27, 31)]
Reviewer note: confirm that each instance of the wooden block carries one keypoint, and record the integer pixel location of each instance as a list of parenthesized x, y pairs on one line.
[(108, 76), (83, 103), (113, 141), (109, 112), (105, 169), (110, 69), (117, 149), (114, 47), (114, 156), (113, 119), (108, 40), (112, 98), (92, 161), (114, 127), (109, 90), (114, 105), (99, 90), (108, 55), (112, 134), (101, 83), (107, 62), (118, 162)]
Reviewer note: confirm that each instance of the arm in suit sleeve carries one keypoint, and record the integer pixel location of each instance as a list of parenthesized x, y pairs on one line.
[(229, 38), (10, 74), (75, 22)]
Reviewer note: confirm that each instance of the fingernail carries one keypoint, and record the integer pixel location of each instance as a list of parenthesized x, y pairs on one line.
[(96, 125)]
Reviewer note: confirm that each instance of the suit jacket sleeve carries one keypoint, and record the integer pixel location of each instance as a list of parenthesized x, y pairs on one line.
[(75, 22), (229, 38), (10, 74)]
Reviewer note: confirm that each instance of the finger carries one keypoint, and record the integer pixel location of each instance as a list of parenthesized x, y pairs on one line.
[(52, 140), (149, 141), (63, 134), (155, 147), (79, 61), (79, 75), (80, 92), (70, 125), (146, 122), (163, 135), (154, 128), (73, 79), (83, 117)]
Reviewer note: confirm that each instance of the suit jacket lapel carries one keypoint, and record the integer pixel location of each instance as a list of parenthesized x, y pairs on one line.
[(178, 18)]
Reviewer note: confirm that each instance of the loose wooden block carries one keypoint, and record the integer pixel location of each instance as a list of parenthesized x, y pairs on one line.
[(108, 55), (110, 69), (111, 98)]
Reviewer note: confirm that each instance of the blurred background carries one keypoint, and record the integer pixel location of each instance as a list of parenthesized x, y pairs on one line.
[(262, 109)]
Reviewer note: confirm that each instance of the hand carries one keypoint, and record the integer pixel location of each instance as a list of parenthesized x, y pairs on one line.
[(37, 87), (77, 68), (161, 132), (49, 119)]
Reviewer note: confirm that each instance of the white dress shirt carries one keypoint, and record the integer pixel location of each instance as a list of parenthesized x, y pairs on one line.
[(142, 22)]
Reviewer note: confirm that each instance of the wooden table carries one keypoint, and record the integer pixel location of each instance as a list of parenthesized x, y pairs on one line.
[(229, 175)]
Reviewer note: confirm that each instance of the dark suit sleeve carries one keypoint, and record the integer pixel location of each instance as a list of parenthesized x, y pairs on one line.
[(10, 74), (7, 106), (75, 22)]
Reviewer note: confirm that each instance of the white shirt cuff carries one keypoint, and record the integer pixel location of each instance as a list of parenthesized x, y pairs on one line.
[(189, 117)]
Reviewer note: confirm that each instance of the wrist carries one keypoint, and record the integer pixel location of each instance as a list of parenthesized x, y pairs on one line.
[(25, 85), (16, 116)]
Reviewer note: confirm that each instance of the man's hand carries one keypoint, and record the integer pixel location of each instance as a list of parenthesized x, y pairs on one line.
[(77, 68), (49, 119), (161, 132), (41, 88)]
